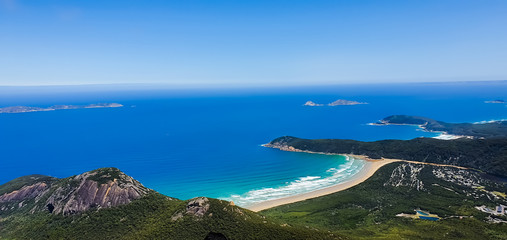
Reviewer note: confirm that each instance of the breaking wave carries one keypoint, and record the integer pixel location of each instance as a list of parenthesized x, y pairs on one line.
[(338, 174), (490, 121)]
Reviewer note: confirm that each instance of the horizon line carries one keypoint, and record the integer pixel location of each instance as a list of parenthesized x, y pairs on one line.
[(229, 85)]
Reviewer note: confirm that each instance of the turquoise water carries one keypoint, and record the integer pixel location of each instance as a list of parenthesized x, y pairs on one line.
[(208, 142), (429, 218), (341, 170), (422, 213)]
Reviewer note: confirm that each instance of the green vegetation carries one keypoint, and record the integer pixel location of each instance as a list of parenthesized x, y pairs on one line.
[(369, 210), (483, 130), (489, 155), (365, 211), (103, 175), (151, 218)]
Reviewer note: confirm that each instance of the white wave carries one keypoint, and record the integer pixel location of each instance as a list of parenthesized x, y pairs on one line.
[(339, 174), (445, 136), (490, 121)]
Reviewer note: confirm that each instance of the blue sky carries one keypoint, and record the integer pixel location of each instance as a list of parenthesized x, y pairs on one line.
[(242, 43)]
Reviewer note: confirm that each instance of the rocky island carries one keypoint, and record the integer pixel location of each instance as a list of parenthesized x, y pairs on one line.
[(312, 104), (24, 109), (338, 102)]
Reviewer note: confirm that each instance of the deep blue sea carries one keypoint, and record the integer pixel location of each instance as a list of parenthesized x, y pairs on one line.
[(207, 142)]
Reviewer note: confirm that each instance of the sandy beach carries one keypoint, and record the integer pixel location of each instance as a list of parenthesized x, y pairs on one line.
[(370, 167)]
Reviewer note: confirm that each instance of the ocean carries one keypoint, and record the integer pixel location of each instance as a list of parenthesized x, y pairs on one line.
[(207, 142)]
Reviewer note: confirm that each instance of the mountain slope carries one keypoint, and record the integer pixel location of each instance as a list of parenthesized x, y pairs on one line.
[(368, 210), (101, 188), (108, 204)]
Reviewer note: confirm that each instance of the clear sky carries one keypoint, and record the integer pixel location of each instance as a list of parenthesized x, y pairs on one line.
[(258, 42)]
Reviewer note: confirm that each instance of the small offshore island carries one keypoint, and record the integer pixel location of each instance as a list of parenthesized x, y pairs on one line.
[(339, 102), (24, 109)]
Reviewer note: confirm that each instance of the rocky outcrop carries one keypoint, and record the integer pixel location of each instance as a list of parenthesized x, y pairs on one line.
[(102, 188), (406, 174), (196, 207), (26, 192), (282, 143), (423, 177), (458, 176), (93, 194)]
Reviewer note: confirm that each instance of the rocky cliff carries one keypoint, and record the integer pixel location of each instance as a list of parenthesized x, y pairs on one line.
[(101, 188)]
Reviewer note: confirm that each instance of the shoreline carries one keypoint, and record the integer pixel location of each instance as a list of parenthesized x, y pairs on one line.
[(443, 134), (371, 166)]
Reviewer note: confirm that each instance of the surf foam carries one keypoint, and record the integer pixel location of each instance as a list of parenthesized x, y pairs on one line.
[(339, 174)]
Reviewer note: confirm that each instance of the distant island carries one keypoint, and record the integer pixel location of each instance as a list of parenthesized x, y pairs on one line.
[(472, 130), (24, 109), (495, 101), (345, 102), (338, 102), (312, 104)]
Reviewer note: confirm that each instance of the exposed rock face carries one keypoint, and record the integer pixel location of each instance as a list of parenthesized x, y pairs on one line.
[(459, 181), (26, 192), (198, 206), (406, 175), (282, 143), (458, 176), (92, 194), (101, 188)]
